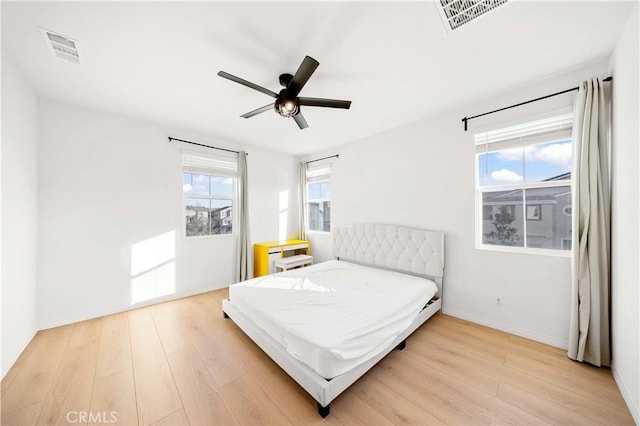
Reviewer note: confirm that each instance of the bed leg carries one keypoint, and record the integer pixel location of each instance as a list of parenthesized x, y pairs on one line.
[(402, 345), (324, 411), (224, 314)]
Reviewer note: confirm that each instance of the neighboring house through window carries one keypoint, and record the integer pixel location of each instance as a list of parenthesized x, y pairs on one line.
[(523, 186), (209, 188), (319, 197)]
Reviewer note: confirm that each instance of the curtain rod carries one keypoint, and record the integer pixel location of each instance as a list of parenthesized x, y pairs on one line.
[(325, 158), (466, 119), (206, 146)]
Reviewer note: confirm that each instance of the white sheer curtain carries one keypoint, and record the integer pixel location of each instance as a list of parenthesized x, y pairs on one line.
[(302, 196), (589, 329), (242, 271)]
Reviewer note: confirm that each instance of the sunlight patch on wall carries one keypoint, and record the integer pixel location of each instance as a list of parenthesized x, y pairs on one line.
[(284, 215), (153, 267)]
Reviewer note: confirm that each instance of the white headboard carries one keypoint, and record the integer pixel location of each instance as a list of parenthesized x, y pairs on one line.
[(401, 248)]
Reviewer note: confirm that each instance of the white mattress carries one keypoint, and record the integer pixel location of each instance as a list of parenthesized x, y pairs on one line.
[(334, 315)]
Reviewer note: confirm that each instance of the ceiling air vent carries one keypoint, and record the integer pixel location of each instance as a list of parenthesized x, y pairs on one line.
[(62, 47), (456, 13)]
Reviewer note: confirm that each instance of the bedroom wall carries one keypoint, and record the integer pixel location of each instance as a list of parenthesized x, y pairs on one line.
[(625, 251), (423, 175), (19, 213), (107, 183)]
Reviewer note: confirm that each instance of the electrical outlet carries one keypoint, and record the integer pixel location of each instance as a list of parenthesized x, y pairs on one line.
[(499, 300)]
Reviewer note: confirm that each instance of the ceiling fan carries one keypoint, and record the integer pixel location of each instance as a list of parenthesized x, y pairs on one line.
[(287, 102)]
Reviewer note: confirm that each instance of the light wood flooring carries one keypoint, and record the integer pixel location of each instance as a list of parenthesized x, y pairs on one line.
[(180, 362)]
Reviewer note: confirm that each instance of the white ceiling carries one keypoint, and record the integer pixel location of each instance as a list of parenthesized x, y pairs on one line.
[(157, 61)]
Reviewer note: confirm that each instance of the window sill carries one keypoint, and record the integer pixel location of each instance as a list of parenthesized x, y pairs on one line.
[(318, 232), (525, 250), (204, 237)]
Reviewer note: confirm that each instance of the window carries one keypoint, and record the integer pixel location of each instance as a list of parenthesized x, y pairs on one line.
[(209, 188), (319, 198), (523, 186)]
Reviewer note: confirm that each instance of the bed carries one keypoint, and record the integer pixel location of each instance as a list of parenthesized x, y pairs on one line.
[(327, 324)]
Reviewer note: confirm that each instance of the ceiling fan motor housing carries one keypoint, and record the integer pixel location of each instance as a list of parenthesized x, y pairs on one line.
[(285, 79)]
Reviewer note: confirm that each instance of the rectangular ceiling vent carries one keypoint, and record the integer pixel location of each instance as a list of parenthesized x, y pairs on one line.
[(60, 46), (456, 13)]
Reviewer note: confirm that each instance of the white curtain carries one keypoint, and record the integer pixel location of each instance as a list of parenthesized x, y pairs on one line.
[(589, 328), (302, 196), (242, 271)]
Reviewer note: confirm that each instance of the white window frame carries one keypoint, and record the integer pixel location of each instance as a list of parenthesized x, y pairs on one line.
[(480, 190), (216, 173), (325, 176)]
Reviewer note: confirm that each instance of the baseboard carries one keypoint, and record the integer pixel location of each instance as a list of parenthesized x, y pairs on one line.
[(23, 345), (508, 328), (51, 324), (631, 404)]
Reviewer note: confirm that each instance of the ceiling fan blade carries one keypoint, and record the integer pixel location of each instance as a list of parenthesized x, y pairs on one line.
[(247, 83), (257, 111), (329, 103), (300, 78), (300, 121)]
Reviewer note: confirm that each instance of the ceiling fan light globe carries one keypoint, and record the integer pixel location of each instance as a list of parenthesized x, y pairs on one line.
[(287, 108)]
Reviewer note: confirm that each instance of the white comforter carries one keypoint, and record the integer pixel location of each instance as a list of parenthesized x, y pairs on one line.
[(334, 315)]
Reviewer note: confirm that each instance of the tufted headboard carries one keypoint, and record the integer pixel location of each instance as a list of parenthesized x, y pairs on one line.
[(400, 248)]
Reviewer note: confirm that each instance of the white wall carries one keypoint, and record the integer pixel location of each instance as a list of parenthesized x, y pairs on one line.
[(423, 175), (107, 183), (19, 213), (625, 178)]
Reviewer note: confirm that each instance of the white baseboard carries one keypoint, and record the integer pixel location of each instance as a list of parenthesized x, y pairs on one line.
[(44, 325), (508, 328), (631, 404), (21, 347)]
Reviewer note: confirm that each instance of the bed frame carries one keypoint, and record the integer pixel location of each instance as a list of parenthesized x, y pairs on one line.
[(408, 250)]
